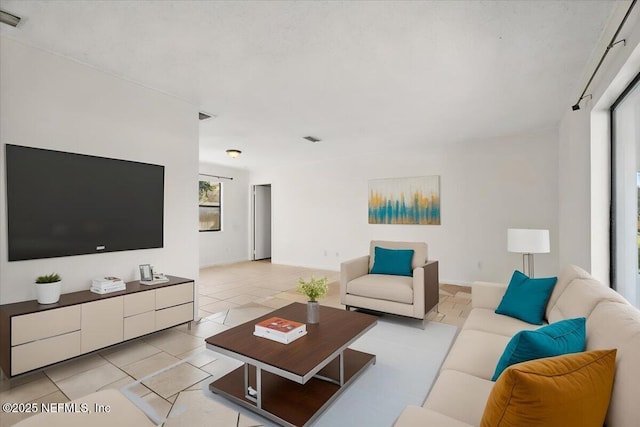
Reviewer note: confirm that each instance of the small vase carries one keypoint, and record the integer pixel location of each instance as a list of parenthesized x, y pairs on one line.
[(313, 312)]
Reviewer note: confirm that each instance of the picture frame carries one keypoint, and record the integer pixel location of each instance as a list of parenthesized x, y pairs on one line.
[(409, 200), (146, 272)]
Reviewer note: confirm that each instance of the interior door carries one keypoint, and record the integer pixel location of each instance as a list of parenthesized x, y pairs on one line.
[(261, 221)]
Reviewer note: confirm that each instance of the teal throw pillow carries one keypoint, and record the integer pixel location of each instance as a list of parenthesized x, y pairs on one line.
[(556, 339), (396, 262), (526, 299)]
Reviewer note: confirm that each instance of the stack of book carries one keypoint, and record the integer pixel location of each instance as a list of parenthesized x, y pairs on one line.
[(105, 285), (281, 330)]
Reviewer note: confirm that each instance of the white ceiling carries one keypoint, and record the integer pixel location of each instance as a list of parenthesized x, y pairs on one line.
[(362, 76)]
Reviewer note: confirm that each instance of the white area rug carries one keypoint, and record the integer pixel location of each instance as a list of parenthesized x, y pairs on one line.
[(407, 362)]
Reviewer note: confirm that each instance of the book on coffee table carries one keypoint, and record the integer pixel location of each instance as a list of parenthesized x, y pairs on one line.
[(280, 330)]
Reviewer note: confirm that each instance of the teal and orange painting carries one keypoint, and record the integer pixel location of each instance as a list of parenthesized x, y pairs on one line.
[(414, 200)]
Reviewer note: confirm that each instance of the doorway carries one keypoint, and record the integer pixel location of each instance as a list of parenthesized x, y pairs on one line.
[(261, 222)]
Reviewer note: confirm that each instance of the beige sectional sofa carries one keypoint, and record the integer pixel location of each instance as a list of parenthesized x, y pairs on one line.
[(459, 394)]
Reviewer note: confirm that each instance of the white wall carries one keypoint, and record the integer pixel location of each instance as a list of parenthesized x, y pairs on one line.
[(574, 192), (320, 209), (584, 154), (51, 102), (232, 243)]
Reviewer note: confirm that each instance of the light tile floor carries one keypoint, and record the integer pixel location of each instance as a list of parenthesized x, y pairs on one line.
[(228, 295)]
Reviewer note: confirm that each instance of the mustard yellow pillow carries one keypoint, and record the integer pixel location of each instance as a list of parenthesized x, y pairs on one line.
[(563, 391)]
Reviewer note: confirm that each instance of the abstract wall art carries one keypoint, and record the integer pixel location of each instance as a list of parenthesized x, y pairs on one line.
[(414, 200)]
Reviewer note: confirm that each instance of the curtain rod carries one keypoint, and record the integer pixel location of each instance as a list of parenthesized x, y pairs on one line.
[(217, 176), (611, 44)]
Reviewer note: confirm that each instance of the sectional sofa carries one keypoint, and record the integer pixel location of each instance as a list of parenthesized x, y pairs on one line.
[(460, 393)]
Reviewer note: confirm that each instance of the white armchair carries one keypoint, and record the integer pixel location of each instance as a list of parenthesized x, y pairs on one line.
[(403, 295)]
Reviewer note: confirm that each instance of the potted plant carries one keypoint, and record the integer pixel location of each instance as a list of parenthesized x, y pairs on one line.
[(313, 289), (48, 288)]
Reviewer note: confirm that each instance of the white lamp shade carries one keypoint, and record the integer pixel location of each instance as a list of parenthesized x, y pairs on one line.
[(528, 241)]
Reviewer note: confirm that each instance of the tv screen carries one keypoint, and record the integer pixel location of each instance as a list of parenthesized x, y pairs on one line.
[(62, 204)]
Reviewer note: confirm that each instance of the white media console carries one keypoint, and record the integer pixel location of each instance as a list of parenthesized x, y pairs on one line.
[(33, 336)]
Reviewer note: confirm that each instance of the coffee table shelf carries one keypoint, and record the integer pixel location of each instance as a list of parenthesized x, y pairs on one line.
[(297, 381), (288, 402)]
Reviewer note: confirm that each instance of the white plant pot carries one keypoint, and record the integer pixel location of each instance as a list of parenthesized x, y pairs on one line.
[(48, 293)]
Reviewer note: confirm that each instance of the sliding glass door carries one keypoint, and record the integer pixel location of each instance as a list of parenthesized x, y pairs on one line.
[(625, 193)]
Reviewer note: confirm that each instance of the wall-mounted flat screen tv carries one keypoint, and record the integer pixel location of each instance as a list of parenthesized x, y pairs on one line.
[(62, 204)]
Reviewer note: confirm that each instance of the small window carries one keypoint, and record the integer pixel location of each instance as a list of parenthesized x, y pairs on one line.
[(210, 206)]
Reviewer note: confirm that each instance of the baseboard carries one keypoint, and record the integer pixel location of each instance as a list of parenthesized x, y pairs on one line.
[(222, 264), (312, 267), (455, 282)]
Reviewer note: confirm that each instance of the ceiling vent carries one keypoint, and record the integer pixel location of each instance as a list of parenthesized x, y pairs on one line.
[(204, 116), (312, 139)]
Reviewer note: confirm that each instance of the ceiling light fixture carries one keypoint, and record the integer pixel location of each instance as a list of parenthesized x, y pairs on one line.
[(9, 19), (233, 153)]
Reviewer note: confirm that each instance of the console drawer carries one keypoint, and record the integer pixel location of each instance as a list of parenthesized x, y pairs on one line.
[(174, 316), (140, 302), (37, 354), (174, 295), (141, 324), (45, 324)]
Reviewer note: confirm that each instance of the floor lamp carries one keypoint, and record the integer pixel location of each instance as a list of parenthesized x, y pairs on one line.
[(528, 242)]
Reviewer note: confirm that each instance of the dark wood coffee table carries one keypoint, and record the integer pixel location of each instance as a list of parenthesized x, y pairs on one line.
[(294, 382)]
